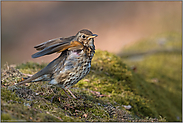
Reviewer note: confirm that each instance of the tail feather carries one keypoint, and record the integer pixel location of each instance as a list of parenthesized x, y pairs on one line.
[(35, 76), (48, 70), (29, 80)]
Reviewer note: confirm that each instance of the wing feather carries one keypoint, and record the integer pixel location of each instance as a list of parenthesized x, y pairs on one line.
[(56, 45), (52, 42), (48, 50)]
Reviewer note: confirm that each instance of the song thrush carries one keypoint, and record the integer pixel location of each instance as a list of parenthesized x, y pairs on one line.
[(71, 66)]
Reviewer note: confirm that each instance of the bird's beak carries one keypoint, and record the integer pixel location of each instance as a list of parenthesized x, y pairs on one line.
[(93, 36)]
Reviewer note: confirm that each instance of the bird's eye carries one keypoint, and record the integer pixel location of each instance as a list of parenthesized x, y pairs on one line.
[(83, 36)]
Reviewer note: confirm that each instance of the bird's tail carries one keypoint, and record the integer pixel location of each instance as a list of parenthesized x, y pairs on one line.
[(29, 80), (44, 74)]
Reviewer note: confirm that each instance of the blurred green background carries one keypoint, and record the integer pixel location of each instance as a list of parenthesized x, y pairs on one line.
[(118, 24)]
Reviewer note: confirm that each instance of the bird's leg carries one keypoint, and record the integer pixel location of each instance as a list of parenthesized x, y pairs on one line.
[(53, 95), (52, 98), (67, 93), (71, 93)]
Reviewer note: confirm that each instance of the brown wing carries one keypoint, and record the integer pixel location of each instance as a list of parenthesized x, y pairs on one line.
[(56, 45), (52, 42)]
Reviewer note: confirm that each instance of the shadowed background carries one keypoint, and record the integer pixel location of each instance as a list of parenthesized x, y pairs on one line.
[(118, 24)]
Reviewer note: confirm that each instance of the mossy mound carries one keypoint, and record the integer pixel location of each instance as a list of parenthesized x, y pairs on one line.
[(161, 70), (107, 93)]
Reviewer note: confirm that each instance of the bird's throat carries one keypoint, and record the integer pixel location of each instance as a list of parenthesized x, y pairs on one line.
[(76, 52)]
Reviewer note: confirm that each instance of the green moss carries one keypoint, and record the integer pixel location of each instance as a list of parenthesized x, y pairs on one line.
[(158, 76), (156, 42), (30, 67), (6, 117), (109, 86), (112, 77), (162, 85)]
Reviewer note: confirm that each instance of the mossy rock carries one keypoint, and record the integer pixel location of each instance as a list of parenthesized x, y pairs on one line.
[(104, 94), (161, 71)]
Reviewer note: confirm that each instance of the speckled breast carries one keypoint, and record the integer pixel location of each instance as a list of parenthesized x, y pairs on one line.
[(76, 67)]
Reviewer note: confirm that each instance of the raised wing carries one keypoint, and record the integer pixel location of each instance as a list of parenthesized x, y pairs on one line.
[(52, 42), (56, 45)]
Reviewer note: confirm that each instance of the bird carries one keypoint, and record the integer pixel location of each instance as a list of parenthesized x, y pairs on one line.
[(73, 63)]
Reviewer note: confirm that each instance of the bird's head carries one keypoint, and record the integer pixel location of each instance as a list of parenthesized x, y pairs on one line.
[(86, 37)]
